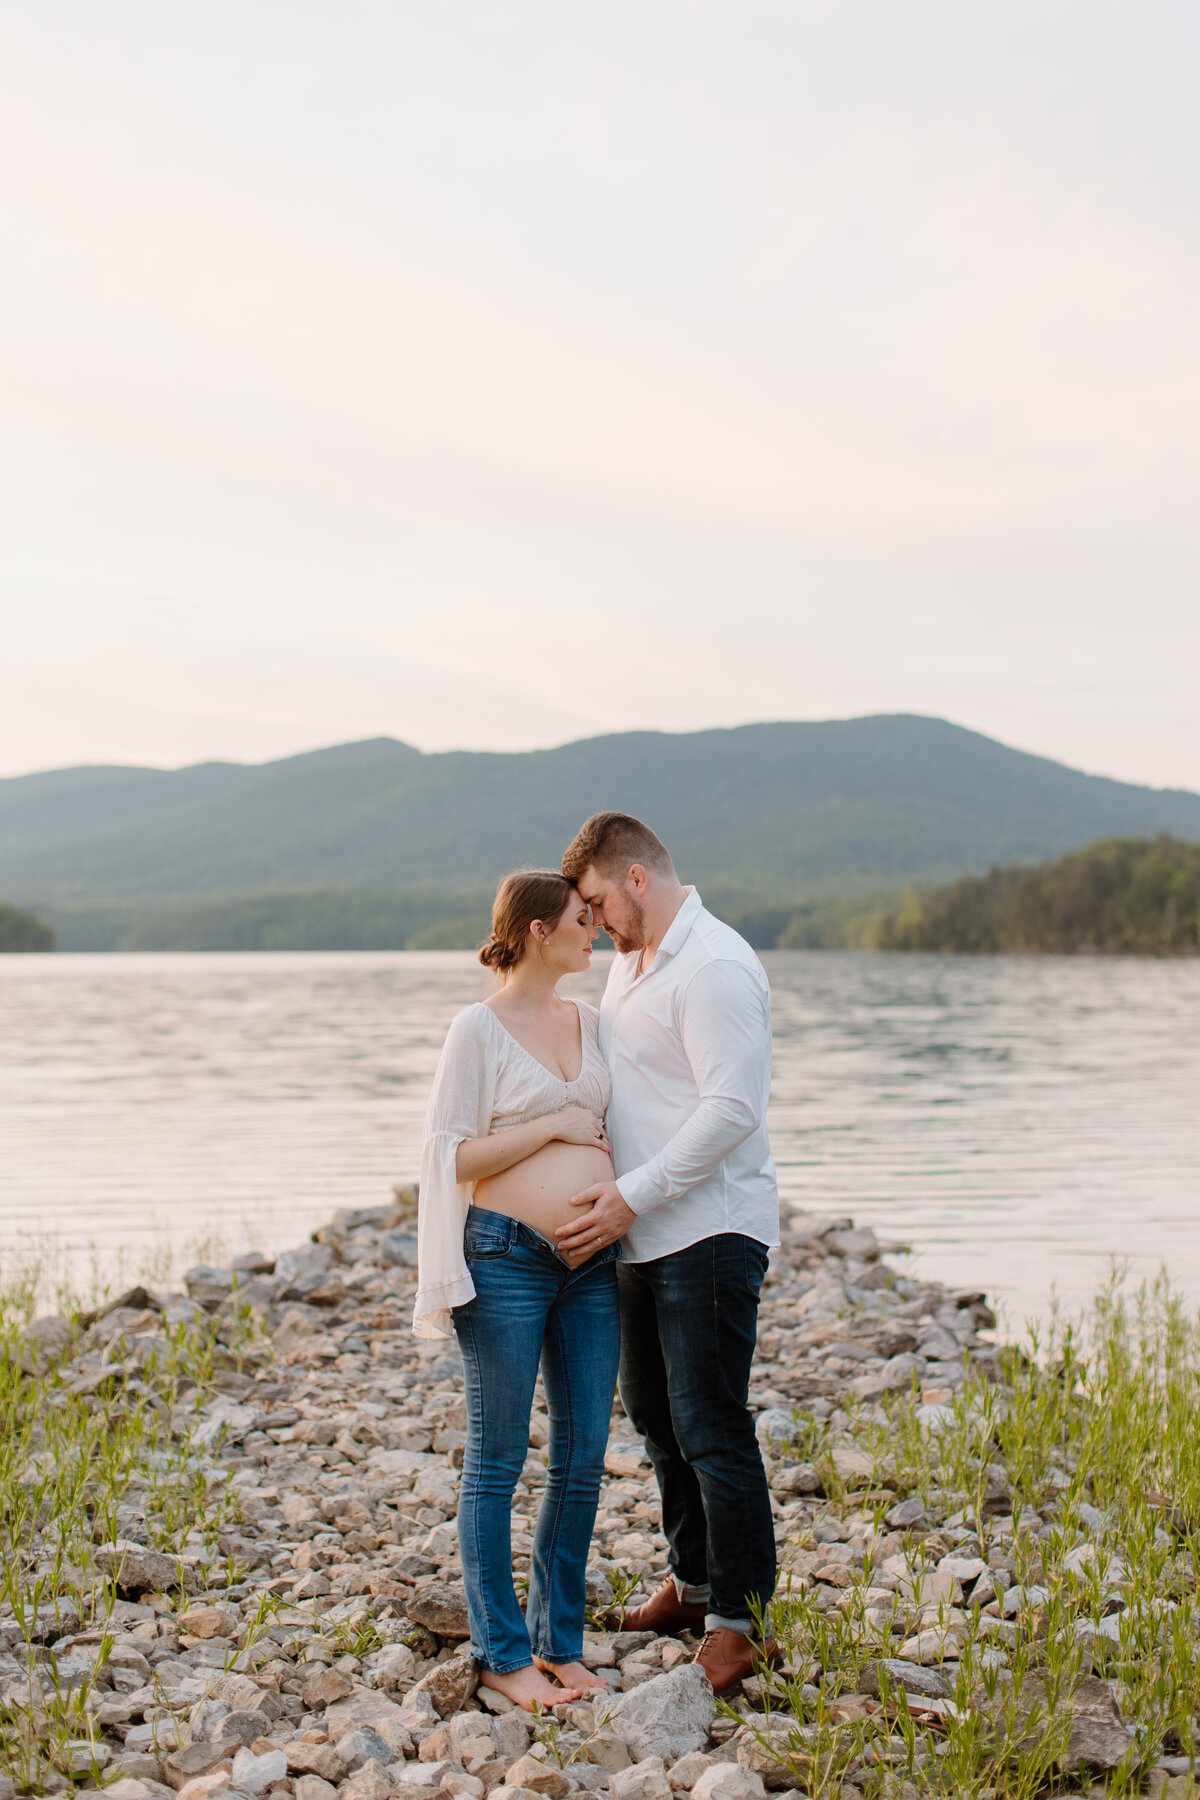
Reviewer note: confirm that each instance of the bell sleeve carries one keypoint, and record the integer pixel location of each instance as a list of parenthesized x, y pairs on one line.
[(460, 1107)]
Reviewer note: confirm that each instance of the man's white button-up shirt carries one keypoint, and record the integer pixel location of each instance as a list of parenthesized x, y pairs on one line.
[(688, 1042)]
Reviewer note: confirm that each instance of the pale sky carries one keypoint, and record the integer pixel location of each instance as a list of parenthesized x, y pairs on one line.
[(495, 374)]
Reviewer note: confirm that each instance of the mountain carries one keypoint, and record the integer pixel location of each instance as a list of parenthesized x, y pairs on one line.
[(761, 811)]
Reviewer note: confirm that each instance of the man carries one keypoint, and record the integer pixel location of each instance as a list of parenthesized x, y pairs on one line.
[(686, 1026)]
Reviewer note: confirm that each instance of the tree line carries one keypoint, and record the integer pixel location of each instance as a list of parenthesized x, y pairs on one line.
[(20, 930), (1131, 894), (1122, 894)]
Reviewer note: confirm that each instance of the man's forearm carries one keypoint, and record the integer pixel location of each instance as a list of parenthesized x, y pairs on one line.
[(713, 1132)]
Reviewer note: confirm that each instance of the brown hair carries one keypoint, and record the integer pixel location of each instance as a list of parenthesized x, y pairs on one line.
[(522, 897), (610, 843)]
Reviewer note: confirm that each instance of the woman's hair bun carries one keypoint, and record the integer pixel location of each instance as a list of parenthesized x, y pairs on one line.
[(496, 954), (522, 898)]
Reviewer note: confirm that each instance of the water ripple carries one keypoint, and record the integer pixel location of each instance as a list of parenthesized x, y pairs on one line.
[(1019, 1120)]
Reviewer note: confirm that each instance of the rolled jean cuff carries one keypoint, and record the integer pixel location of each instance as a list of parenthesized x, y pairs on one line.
[(692, 1593), (719, 1622)]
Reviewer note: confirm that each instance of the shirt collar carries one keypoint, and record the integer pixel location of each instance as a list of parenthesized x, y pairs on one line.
[(677, 931)]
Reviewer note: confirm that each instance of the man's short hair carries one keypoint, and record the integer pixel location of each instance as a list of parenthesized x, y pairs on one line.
[(610, 843)]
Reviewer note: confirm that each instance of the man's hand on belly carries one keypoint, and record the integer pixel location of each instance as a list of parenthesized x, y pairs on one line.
[(604, 1217)]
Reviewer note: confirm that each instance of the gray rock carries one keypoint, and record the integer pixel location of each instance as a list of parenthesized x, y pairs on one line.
[(364, 1745), (137, 1570), (314, 1787), (1098, 1737), (365, 1707), (398, 1250), (241, 1727), (905, 1512), (894, 1377), (305, 1286), (775, 1753), (447, 1687), (372, 1782), (666, 1716), (441, 1606), (253, 1263), (180, 1311), (861, 1243), (775, 1426), (307, 1259), (413, 1565), (207, 1721), (207, 1286), (910, 1677), (537, 1777), (796, 1478), (138, 1765), (378, 1218), (644, 1780), (321, 1760), (939, 1346), (44, 1342), (256, 1774), (196, 1759), (325, 1687), (225, 1418)]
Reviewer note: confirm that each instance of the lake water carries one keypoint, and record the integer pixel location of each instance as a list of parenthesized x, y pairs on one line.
[(1019, 1121)]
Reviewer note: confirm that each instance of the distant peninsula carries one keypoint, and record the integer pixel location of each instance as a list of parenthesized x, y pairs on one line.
[(23, 931), (1127, 894)]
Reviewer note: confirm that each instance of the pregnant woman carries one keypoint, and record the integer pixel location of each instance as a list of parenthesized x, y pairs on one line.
[(515, 1127)]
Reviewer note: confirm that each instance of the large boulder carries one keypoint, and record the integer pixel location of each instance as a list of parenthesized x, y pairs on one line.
[(666, 1716)]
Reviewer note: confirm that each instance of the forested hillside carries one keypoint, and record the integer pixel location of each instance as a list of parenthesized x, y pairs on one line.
[(20, 930), (1126, 894), (765, 814)]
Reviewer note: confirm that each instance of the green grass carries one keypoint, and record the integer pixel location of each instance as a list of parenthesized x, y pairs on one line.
[(1099, 1413), (68, 1462)]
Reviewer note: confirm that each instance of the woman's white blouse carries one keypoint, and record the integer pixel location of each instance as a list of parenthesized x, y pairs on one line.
[(486, 1081)]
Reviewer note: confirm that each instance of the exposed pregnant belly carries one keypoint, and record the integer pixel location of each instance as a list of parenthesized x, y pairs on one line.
[(538, 1191)]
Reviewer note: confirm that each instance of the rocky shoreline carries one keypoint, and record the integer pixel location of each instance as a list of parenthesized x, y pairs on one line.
[(314, 1644)]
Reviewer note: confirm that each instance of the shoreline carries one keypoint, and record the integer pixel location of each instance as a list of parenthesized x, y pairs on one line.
[(301, 1631)]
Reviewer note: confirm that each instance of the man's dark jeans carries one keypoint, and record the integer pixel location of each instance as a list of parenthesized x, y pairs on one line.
[(688, 1327)]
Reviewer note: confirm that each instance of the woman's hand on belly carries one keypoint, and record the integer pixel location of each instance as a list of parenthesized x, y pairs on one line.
[(538, 1190)]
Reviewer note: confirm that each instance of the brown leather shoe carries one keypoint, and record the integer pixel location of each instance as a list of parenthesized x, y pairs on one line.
[(664, 1612), (727, 1657)]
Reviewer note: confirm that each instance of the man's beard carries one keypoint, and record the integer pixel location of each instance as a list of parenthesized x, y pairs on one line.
[(632, 935)]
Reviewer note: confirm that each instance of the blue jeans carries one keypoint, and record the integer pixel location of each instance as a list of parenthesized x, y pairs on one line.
[(529, 1307), (688, 1328)]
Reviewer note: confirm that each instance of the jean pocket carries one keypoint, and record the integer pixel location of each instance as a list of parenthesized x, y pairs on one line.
[(757, 1263), (482, 1241)]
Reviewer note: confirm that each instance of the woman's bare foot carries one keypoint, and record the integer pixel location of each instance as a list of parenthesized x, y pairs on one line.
[(527, 1686), (572, 1675)]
